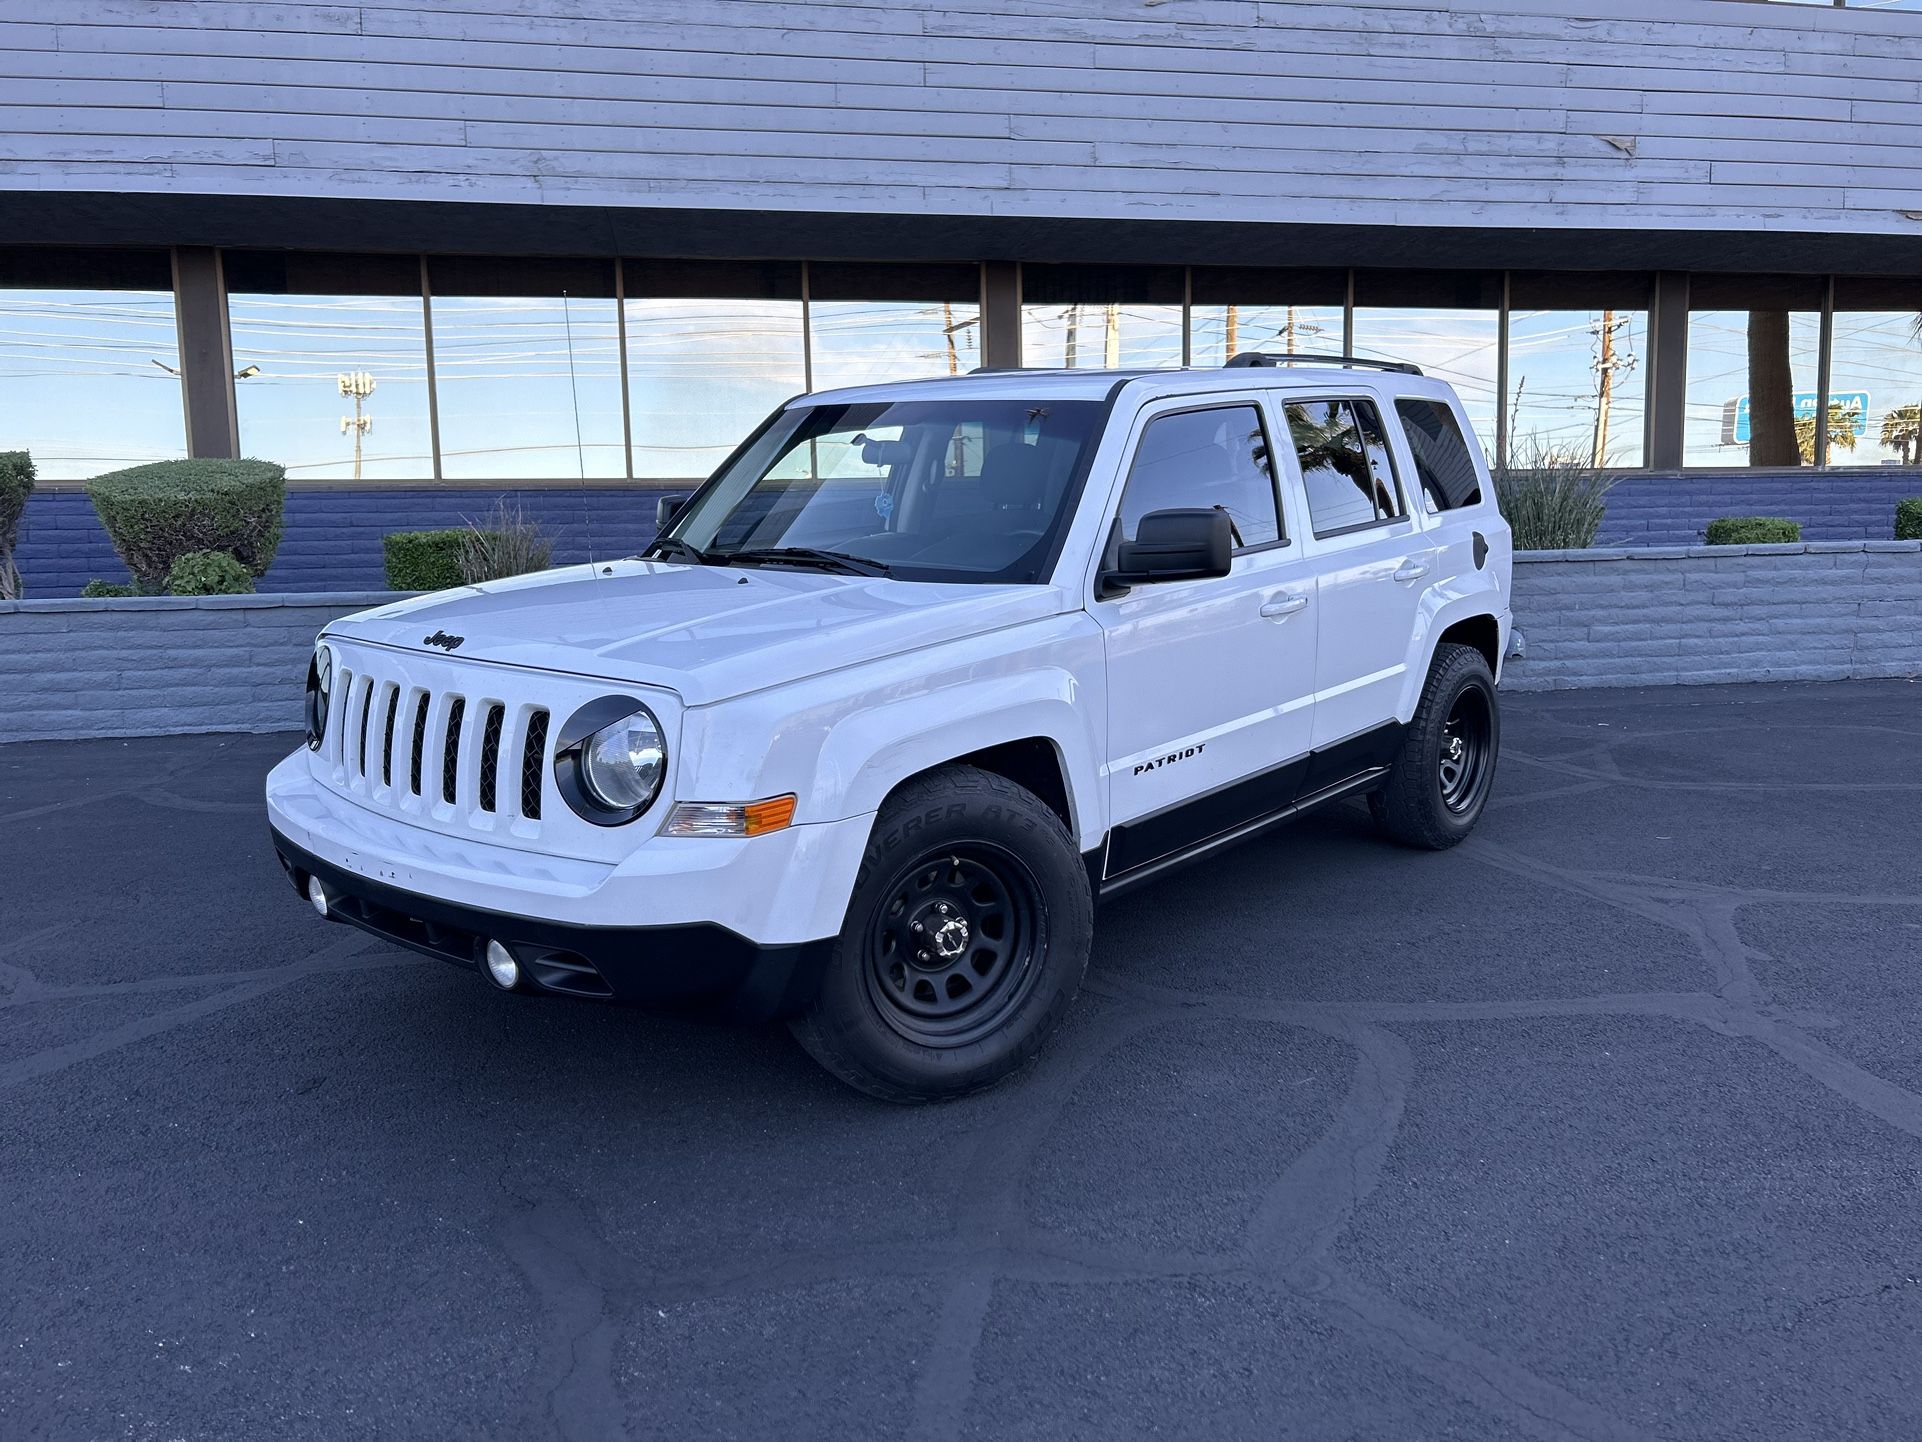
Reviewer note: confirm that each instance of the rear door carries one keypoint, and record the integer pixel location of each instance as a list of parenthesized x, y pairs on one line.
[(1209, 682), (1373, 557)]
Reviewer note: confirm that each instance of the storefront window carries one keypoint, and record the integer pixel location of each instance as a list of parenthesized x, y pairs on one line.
[(514, 376), (1751, 388), (1875, 374), (863, 342), (1457, 346), (1577, 386), (93, 382), (333, 387), (1095, 316), (1217, 332)]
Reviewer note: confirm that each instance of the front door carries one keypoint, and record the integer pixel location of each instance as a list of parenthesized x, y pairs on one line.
[(1210, 682)]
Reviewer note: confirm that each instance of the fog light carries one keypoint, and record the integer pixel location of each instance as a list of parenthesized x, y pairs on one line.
[(317, 894), (501, 966)]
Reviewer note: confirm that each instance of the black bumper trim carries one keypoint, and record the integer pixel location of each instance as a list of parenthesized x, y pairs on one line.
[(698, 966)]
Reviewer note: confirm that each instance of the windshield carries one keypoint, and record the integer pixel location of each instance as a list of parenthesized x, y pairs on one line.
[(963, 490)]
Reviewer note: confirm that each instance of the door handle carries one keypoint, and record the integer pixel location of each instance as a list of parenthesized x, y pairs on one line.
[(1283, 606), (1412, 571)]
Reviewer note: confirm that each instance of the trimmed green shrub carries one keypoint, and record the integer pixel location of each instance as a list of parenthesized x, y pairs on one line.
[(156, 514), (1752, 531), (509, 545), (423, 560), (1552, 502), (97, 590), (16, 484), (1908, 519), (208, 573)]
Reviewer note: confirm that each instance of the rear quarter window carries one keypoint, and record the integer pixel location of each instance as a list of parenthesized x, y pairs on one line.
[(1443, 463)]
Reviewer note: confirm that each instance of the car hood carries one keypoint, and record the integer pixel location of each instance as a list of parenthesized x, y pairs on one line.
[(707, 632)]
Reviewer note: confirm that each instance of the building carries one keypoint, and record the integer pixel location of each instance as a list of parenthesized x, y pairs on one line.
[(425, 252)]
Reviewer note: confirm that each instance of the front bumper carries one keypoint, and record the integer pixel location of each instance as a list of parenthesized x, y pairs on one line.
[(695, 965)]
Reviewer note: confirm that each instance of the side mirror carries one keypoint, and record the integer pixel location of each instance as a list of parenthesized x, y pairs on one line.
[(1177, 545), (667, 508)]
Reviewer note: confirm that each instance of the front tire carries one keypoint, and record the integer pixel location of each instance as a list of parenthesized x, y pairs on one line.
[(965, 940), (1438, 786)]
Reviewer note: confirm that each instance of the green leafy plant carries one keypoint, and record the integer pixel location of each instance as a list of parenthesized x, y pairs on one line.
[(1552, 501), (1752, 531), (156, 514), (98, 590), (508, 545), (16, 484), (1908, 519), (208, 573), (423, 560)]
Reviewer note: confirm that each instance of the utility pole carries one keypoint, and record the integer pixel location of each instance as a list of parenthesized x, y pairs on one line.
[(359, 385), (1234, 331), (1607, 362), (1111, 350), (1073, 352)]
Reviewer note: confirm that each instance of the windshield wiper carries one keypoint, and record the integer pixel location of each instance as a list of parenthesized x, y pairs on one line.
[(839, 561), (673, 548)]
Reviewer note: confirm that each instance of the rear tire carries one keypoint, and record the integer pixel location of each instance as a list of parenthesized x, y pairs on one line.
[(1439, 783), (965, 940)]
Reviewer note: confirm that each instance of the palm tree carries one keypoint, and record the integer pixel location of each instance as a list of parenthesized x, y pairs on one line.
[(1902, 432)]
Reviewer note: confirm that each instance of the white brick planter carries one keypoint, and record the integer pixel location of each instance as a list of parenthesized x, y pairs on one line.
[(1695, 615), (1819, 611), (154, 665)]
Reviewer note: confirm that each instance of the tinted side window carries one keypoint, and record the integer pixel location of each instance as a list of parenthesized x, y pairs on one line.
[(1205, 458), (1442, 458), (1344, 464)]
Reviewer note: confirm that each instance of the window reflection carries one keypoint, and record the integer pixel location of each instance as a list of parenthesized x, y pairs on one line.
[(507, 393), (1458, 346), (1577, 385), (862, 342), (1875, 381), (92, 379), (303, 407), (1751, 388), (1079, 335), (1217, 332), (702, 374)]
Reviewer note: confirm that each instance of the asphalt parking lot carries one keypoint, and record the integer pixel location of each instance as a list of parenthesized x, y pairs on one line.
[(1604, 1125)]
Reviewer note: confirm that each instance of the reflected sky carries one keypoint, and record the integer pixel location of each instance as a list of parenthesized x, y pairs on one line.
[(1084, 337), (1718, 377)]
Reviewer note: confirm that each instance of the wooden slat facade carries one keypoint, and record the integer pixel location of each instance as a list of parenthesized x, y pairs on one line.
[(1652, 114)]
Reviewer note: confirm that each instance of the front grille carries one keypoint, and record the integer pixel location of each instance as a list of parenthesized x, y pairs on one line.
[(533, 765), (490, 758), (420, 744), (450, 757), (450, 750)]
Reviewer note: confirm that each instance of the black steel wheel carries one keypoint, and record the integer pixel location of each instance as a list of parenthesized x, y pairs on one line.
[(1438, 786), (952, 946), (965, 941), (1466, 763)]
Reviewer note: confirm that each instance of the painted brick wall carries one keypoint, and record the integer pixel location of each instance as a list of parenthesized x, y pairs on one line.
[(1819, 611), (333, 537), (152, 666), (1660, 616)]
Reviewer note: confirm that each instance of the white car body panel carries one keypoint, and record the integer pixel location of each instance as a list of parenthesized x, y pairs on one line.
[(836, 688)]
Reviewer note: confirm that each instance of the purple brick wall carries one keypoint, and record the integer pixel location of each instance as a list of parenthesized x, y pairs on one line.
[(333, 537)]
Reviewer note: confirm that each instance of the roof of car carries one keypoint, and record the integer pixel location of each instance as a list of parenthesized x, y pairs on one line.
[(1060, 384)]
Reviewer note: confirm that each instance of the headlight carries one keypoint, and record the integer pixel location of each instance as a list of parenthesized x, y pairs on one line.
[(320, 694), (610, 760)]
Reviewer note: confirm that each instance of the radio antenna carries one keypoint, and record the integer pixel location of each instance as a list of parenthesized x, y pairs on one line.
[(580, 446)]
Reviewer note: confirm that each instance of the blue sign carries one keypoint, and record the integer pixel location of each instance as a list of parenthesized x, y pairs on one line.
[(1854, 406)]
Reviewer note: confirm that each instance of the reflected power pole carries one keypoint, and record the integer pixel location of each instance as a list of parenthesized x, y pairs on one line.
[(359, 385), (1607, 362)]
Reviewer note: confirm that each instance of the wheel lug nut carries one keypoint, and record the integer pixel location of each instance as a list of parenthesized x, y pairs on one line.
[(915, 927), (921, 956)]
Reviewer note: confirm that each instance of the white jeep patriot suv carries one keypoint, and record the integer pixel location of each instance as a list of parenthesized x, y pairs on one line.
[(922, 672)]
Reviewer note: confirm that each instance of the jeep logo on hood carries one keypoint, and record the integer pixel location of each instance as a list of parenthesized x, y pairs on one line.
[(442, 640)]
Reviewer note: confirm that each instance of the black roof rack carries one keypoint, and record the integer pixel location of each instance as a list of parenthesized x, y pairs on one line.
[(1263, 358)]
